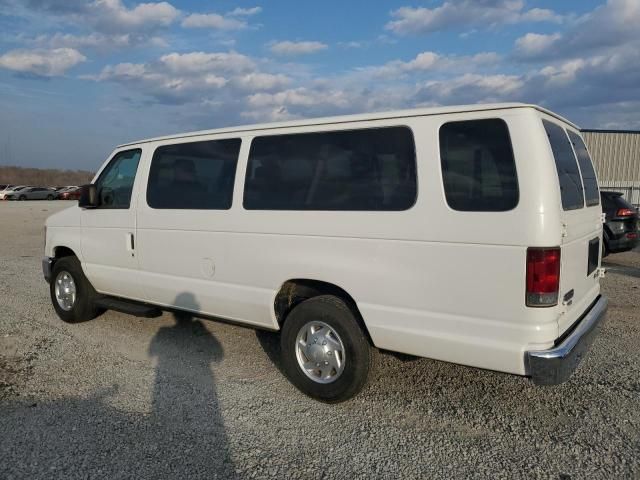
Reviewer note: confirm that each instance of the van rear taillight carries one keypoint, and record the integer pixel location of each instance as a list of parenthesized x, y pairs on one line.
[(543, 277)]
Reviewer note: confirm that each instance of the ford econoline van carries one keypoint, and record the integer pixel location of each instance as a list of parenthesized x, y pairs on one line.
[(467, 234)]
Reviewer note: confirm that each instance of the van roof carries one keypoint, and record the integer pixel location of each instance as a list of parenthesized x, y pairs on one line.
[(416, 112)]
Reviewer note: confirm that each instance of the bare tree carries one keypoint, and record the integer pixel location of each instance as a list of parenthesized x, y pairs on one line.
[(43, 177)]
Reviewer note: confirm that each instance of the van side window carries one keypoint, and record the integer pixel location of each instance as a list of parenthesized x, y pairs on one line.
[(115, 184), (589, 179), (478, 168), (355, 170), (571, 190), (195, 175)]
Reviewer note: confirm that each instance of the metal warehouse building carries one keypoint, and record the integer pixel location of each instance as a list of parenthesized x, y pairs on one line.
[(616, 155)]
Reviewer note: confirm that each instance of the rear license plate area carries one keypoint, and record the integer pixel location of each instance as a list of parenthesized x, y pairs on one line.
[(594, 254)]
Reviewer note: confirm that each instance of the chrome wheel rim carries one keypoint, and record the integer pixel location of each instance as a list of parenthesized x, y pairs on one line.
[(65, 290), (320, 352)]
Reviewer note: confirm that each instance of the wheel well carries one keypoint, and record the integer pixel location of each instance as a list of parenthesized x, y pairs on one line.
[(60, 252), (294, 291)]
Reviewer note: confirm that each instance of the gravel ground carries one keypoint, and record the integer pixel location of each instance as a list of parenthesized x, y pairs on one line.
[(122, 397)]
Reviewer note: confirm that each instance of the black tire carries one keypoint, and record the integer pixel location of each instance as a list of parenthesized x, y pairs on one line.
[(358, 352), (49, 197), (22, 197), (84, 307)]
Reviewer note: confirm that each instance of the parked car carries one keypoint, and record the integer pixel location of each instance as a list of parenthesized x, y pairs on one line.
[(4, 189), (621, 223), (70, 193), (466, 234), (10, 191), (32, 193)]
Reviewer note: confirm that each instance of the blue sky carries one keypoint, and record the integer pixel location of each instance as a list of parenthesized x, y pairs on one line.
[(78, 77)]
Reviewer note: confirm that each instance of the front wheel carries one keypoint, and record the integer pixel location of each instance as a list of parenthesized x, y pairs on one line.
[(72, 295), (49, 197), (325, 352), (22, 197)]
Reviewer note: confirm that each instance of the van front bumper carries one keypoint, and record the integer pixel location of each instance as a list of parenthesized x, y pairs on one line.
[(47, 265), (555, 366)]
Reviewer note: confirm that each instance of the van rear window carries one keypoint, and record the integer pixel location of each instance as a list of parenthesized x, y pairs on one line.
[(589, 179), (478, 168), (353, 170), (571, 191)]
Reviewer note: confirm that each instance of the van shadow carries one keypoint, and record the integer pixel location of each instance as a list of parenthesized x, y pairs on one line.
[(270, 344), (620, 269)]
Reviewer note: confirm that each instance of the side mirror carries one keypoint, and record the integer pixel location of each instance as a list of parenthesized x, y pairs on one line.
[(88, 196)]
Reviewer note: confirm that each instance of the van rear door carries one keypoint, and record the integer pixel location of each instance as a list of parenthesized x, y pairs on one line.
[(581, 223)]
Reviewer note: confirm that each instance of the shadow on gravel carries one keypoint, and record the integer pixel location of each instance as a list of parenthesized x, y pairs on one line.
[(270, 343), (613, 267), (183, 436)]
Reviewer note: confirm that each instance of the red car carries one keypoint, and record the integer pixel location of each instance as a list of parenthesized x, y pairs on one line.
[(69, 194)]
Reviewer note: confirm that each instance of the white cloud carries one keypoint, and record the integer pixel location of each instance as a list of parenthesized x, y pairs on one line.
[(465, 13), (431, 62), (114, 16), (262, 81), (534, 44), (196, 62), (609, 26), (96, 41), (472, 88), (205, 78), (245, 12), (46, 63), (288, 48), (213, 21), (229, 87)]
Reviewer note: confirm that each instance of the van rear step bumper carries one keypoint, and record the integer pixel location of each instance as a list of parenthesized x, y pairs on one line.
[(555, 366)]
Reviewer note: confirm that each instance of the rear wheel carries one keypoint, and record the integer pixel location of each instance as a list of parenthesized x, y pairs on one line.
[(72, 295), (49, 197), (325, 352), (22, 197)]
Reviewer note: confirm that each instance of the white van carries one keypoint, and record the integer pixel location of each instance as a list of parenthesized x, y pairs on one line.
[(467, 234)]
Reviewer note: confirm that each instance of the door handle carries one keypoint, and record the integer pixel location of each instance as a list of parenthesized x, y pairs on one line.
[(130, 243)]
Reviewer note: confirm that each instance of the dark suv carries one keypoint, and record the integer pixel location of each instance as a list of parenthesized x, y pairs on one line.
[(621, 223)]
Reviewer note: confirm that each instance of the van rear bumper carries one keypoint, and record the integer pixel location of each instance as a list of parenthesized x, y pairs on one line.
[(555, 366)]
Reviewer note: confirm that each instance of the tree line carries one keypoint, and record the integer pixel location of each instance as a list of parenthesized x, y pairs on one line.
[(46, 177)]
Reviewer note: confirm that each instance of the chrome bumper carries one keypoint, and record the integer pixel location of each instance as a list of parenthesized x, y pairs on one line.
[(555, 366), (47, 264)]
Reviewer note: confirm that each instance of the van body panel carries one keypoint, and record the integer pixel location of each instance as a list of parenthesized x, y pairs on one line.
[(578, 228), (108, 260), (428, 281)]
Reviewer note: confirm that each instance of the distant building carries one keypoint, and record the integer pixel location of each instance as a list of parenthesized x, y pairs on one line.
[(616, 155)]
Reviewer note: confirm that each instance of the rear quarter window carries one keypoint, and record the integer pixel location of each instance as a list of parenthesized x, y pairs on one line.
[(478, 166), (571, 191), (589, 180)]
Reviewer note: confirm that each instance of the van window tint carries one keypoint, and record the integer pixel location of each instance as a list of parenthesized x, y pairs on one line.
[(589, 179), (478, 168), (568, 174), (196, 175), (115, 184), (370, 169)]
